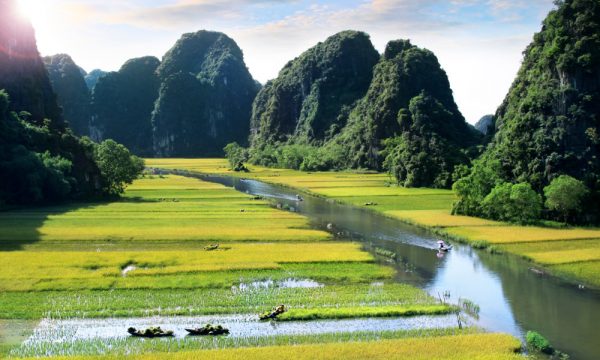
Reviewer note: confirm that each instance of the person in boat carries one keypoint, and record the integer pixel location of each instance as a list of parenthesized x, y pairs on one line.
[(443, 246), (273, 314)]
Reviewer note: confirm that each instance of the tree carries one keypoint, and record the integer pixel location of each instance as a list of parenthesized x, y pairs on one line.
[(565, 195), (117, 165), (513, 202), (236, 155)]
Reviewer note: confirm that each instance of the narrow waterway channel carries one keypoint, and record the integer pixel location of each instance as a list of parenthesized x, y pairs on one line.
[(512, 298)]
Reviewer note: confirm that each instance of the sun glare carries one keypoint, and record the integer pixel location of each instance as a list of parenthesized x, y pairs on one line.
[(35, 10)]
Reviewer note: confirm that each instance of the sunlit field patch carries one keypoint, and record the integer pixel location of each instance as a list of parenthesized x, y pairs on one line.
[(71, 270), (511, 234), (124, 346), (438, 218), (365, 311), (586, 271), (377, 191), (165, 302), (469, 346), (162, 208)]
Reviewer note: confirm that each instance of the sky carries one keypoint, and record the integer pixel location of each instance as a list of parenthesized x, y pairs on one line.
[(479, 43)]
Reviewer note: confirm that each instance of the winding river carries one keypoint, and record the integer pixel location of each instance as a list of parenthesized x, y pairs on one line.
[(512, 298)]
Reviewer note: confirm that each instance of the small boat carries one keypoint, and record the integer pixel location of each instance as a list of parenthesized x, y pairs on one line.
[(211, 247), (443, 246), (273, 314), (151, 332), (209, 329), (299, 198)]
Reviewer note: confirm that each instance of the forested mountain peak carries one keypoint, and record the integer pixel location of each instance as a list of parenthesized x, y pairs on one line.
[(201, 53), (549, 122), (410, 98), (72, 93), (205, 97), (123, 102), (305, 101)]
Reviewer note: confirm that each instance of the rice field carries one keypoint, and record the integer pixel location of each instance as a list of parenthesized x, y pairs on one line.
[(152, 254), (464, 346), (427, 208)]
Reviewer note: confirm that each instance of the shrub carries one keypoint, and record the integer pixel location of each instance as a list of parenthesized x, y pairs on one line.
[(565, 195), (539, 343)]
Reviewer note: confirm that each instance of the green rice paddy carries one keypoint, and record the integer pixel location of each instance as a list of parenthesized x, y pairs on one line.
[(430, 209), (148, 255)]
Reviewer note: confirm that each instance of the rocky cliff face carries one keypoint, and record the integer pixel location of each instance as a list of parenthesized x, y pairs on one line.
[(306, 102), (485, 125), (91, 78), (22, 72), (205, 97), (72, 93), (122, 104)]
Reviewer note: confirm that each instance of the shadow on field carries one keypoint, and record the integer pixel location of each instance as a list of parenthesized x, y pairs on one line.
[(21, 227)]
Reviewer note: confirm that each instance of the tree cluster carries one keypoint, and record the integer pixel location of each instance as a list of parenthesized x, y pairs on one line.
[(548, 125)]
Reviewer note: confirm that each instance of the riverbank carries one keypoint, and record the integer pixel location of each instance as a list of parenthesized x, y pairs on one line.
[(572, 254)]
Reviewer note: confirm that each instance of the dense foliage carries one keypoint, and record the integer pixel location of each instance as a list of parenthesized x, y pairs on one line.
[(71, 90), (41, 160), (22, 72), (426, 152), (335, 107), (41, 163), (565, 195), (306, 101), (117, 166), (548, 125), (123, 102), (237, 156), (205, 97), (404, 72)]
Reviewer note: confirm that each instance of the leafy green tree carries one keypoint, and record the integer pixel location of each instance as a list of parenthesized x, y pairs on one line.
[(237, 156), (117, 165), (565, 195), (513, 202)]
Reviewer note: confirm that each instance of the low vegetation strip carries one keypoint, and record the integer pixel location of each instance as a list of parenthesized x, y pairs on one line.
[(515, 234), (422, 207), (166, 302), (438, 218), (460, 347), (363, 311)]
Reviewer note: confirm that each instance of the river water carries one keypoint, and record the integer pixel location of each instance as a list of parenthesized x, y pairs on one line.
[(512, 298)]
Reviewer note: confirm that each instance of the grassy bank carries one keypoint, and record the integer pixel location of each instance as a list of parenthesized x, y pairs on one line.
[(579, 261)]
